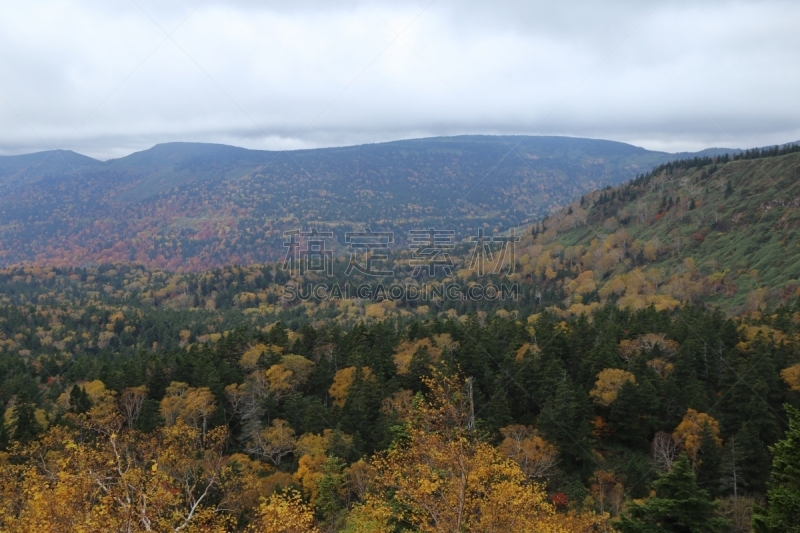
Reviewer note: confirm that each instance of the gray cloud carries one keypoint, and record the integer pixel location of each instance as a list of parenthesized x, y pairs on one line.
[(102, 79)]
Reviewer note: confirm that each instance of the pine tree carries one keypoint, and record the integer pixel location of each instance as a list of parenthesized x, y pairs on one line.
[(332, 487), (732, 459), (678, 506), (26, 428), (79, 401), (708, 471), (782, 514), (563, 421), (631, 416), (3, 434)]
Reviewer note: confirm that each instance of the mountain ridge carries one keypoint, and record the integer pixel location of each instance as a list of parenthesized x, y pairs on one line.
[(192, 206)]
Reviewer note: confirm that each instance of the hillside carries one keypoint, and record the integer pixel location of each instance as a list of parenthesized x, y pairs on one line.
[(187, 207), (716, 230)]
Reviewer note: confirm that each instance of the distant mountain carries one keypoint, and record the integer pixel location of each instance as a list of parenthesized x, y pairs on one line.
[(190, 206)]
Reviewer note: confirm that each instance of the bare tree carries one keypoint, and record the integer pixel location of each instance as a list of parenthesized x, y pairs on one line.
[(131, 402), (665, 451)]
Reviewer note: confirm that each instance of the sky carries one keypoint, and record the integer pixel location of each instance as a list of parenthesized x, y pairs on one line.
[(109, 77)]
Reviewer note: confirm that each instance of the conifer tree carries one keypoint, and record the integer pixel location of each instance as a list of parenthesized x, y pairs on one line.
[(26, 428), (79, 401), (3, 434), (678, 506), (782, 514), (708, 471)]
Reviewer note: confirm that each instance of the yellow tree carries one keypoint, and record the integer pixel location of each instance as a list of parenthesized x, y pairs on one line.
[(535, 456), (130, 402), (608, 384), (343, 380), (791, 376), (443, 479), (193, 405), (274, 442), (164, 481), (284, 513), (689, 432)]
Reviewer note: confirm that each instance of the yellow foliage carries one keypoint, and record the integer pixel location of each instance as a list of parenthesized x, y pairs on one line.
[(791, 376), (250, 358), (284, 513), (342, 382), (370, 517), (292, 372), (534, 455), (310, 471), (444, 479), (405, 352), (689, 431), (608, 384)]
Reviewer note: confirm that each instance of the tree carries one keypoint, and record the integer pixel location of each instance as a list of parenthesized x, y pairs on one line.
[(709, 465), (274, 442), (25, 425), (608, 384), (4, 434), (79, 401), (631, 416), (131, 402), (440, 477), (782, 513), (563, 422), (342, 382), (665, 451), (332, 493), (284, 513), (679, 506), (535, 456), (690, 432)]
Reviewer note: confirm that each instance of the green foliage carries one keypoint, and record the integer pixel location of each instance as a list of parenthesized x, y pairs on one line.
[(79, 401), (26, 428), (783, 496), (678, 506)]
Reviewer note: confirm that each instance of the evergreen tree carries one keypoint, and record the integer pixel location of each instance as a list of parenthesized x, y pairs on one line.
[(782, 514), (79, 401), (3, 434), (679, 506), (26, 428), (332, 488), (731, 474), (709, 469), (563, 421), (631, 415)]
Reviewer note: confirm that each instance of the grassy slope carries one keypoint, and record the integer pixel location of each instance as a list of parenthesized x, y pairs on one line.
[(742, 239)]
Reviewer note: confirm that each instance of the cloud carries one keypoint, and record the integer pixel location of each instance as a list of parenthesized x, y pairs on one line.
[(104, 79)]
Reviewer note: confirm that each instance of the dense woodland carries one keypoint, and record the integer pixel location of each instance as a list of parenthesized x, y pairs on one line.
[(191, 207), (138, 399)]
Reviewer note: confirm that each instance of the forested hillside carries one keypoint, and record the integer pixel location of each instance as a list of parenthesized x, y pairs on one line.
[(643, 375), (189, 207), (725, 231)]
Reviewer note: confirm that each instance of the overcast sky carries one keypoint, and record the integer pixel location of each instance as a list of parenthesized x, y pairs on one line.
[(109, 77)]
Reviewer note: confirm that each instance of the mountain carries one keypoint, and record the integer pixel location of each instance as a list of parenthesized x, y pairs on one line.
[(720, 230), (190, 206)]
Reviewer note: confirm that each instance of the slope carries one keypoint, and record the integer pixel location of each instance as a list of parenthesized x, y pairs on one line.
[(722, 230)]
